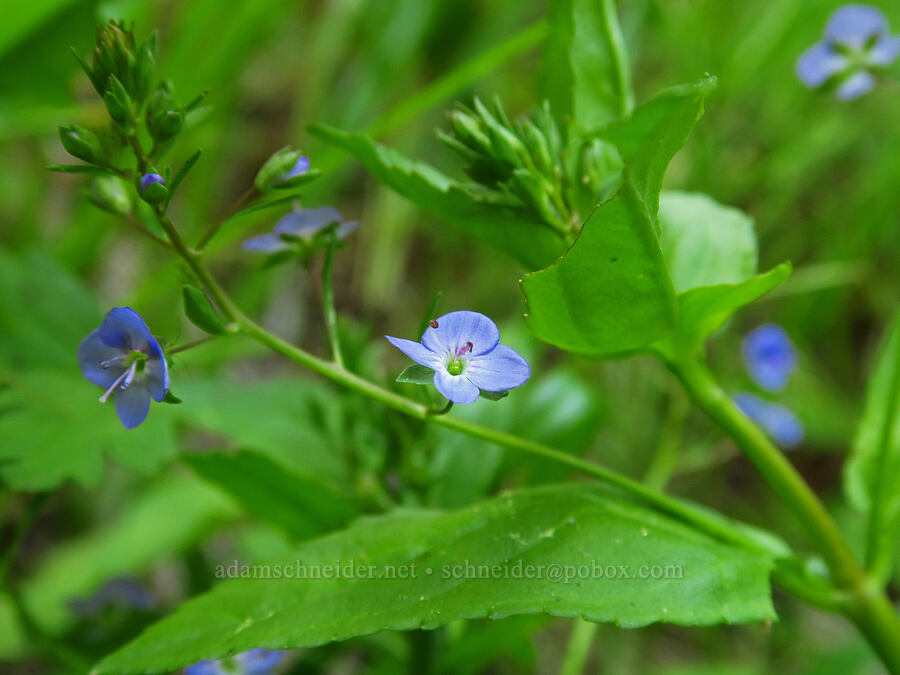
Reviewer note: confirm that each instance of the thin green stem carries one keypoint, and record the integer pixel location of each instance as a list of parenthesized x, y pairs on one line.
[(579, 647), (331, 322), (191, 345), (442, 411), (665, 458), (787, 483)]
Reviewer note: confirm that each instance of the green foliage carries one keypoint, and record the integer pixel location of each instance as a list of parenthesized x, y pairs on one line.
[(586, 75), (476, 212), (872, 476), (556, 526), (416, 374), (198, 309)]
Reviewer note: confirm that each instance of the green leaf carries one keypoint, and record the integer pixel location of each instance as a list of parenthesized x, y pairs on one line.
[(200, 312), (171, 398), (705, 243), (299, 505), (77, 168), (705, 309), (417, 577), (416, 374), (872, 478), (586, 73), (182, 174), (494, 395), (505, 227)]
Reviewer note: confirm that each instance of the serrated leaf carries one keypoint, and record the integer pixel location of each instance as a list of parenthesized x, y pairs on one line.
[(586, 74), (200, 312), (705, 309), (506, 228), (299, 505), (561, 528), (416, 374), (872, 476), (705, 243)]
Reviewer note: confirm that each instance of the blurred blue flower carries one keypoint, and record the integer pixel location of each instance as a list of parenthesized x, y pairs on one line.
[(857, 40), (254, 662), (125, 359), (149, 179), (769, 356), (464, 350), (119, 592), (300, 227), (301, 166), (779, 422)]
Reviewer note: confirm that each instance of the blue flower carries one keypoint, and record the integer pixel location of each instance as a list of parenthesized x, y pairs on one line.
[(769, 356), (464, 350), (125, 359), (301, 166), (857, 40), (149, 179), (254, 662), (779, 422), (299, 228)]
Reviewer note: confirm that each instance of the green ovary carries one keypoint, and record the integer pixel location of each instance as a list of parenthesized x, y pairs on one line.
[(456, 366)]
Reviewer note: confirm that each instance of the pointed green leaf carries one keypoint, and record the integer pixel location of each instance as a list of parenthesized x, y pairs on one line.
[(503, 226), (586, 74), (200, 312), (494, 395), (872, 477), (182, 174), (611, 293), (570, 550), (417, 374), (706, 308)]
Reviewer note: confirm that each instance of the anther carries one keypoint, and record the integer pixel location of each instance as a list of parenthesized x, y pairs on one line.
[(433, 323), (469, 346)]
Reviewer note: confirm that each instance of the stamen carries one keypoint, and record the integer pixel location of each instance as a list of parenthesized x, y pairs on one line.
[(129, 376), (433, 323), (469, 346), (108, 362)]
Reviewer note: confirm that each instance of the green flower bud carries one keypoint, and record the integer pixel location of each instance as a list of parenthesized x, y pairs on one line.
[(152, 188), (537, 147), (118, 103), (81, 143), (166, 125), (276, 168), (111, 194), (468, 131)]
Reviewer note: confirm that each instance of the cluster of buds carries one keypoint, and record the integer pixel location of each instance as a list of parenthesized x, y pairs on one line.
[(529, 159), (123, 72)]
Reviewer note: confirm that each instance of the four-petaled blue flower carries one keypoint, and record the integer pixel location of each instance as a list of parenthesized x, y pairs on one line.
[(464, 350), (300, 227), (254, 662), (857, 40), (769, 356), (779, 422), (125, 359)]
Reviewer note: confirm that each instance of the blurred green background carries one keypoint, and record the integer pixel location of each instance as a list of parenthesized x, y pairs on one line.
[(819, 178)]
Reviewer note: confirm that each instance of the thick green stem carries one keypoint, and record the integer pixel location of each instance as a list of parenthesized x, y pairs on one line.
[(579, 647)]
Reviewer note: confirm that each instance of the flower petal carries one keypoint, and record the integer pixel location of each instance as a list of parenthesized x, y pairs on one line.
[(133, 404), (307, 222), (885, 51), (205, 668), (301, 166), (417, 352), (819, 63), (265, 243), (501, 369), (157, 373), (456, 388), (854, 25), (259, 661), (856, 85), (458, 328), (91, 353), (779, 422), (769, 356), (347, 228), (123, 328)]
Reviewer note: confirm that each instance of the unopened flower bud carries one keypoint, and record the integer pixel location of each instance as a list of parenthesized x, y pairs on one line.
[(118, 103), (111, 194), (153, 188), (280, 168), (81, 143)]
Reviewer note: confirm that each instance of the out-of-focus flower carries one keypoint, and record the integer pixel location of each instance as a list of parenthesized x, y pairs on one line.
[(298, 230), (149, 179), (254, 662), (779, 422), (463, 348), (120, 592), (857, 41), (769, 356), (125, 359)]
